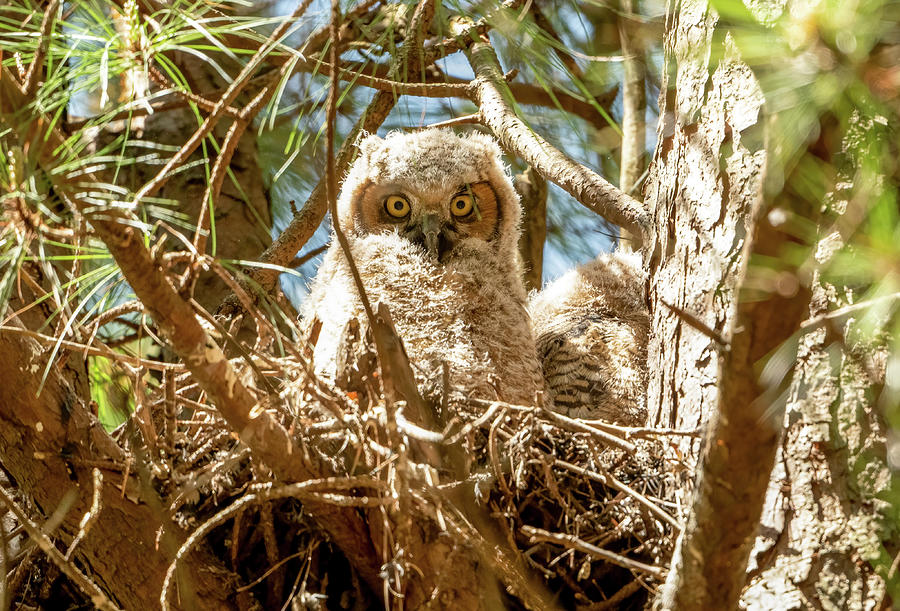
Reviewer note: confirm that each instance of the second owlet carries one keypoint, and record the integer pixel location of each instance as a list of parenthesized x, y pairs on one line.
[(592, 326), (433, 220)]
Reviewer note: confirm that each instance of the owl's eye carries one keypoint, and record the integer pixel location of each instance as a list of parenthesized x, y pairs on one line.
[(462, 204), (397, 206)]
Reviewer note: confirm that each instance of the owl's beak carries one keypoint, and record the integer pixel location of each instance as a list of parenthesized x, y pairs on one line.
[(431, 232)]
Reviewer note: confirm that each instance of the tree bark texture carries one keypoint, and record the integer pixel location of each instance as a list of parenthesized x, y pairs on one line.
[(705, 178), (821, 519), (49, 441), (824, 518)]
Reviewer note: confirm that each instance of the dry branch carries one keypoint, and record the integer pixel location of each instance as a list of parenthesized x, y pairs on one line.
[(176, 321), (491, 93)]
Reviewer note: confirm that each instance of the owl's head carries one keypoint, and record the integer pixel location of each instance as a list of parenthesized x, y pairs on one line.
[(433, 188)]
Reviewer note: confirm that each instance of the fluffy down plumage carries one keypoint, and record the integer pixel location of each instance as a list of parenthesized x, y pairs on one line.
[(591, 327), (465, 308)]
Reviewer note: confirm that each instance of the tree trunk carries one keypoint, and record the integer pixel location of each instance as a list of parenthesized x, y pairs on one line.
[(820, 519)]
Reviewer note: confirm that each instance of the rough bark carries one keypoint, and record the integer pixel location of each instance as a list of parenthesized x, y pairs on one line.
[(820, 521), (824, 519), (50, 440), (704, 180)]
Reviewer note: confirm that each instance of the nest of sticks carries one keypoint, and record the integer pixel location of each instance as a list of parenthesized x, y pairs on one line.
[(584, 507), (584, 504)]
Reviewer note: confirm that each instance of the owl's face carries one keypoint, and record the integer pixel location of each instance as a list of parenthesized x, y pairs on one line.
[(433, 188), (434, 220)]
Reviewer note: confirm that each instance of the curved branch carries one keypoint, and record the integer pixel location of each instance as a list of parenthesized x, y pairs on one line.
[(491, 94), (175, 318)]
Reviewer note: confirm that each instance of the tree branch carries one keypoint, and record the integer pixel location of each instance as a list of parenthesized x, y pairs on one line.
[(491, 94), (175, 318), (634, 107)]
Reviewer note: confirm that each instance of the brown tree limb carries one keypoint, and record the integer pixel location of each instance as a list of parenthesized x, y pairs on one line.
[(573, 542), (524, 93), (175, 319), (634, 107), (496, 104), (37, 433)]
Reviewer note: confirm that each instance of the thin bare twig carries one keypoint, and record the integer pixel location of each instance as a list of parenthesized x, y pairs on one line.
[(31, 77), (134, 361), (92, 514), (573, 542), (699, 325), (97, 596)]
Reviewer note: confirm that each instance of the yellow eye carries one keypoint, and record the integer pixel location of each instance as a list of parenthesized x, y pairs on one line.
[(462, 204), (397, 206)]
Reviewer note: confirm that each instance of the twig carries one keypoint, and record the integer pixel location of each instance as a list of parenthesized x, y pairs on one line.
[(573, 542), (97, 596), (203, 102), (473, 119), (304, 258), (823, 319), (422, 89), (31, 77), (559, 47), (615, 601), (223, 160), (111, 314), (696, 323), (92, 350), (612, 482), (576, 425), (91, 515)]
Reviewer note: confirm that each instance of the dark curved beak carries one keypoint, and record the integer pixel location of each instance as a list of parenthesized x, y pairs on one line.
[(431, 231)]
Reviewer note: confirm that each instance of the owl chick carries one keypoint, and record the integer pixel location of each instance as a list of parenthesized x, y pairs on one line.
[(433, 220), (591, 327)]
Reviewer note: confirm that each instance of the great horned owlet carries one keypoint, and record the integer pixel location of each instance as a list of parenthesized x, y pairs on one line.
[(432, 219), (591, 327)]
